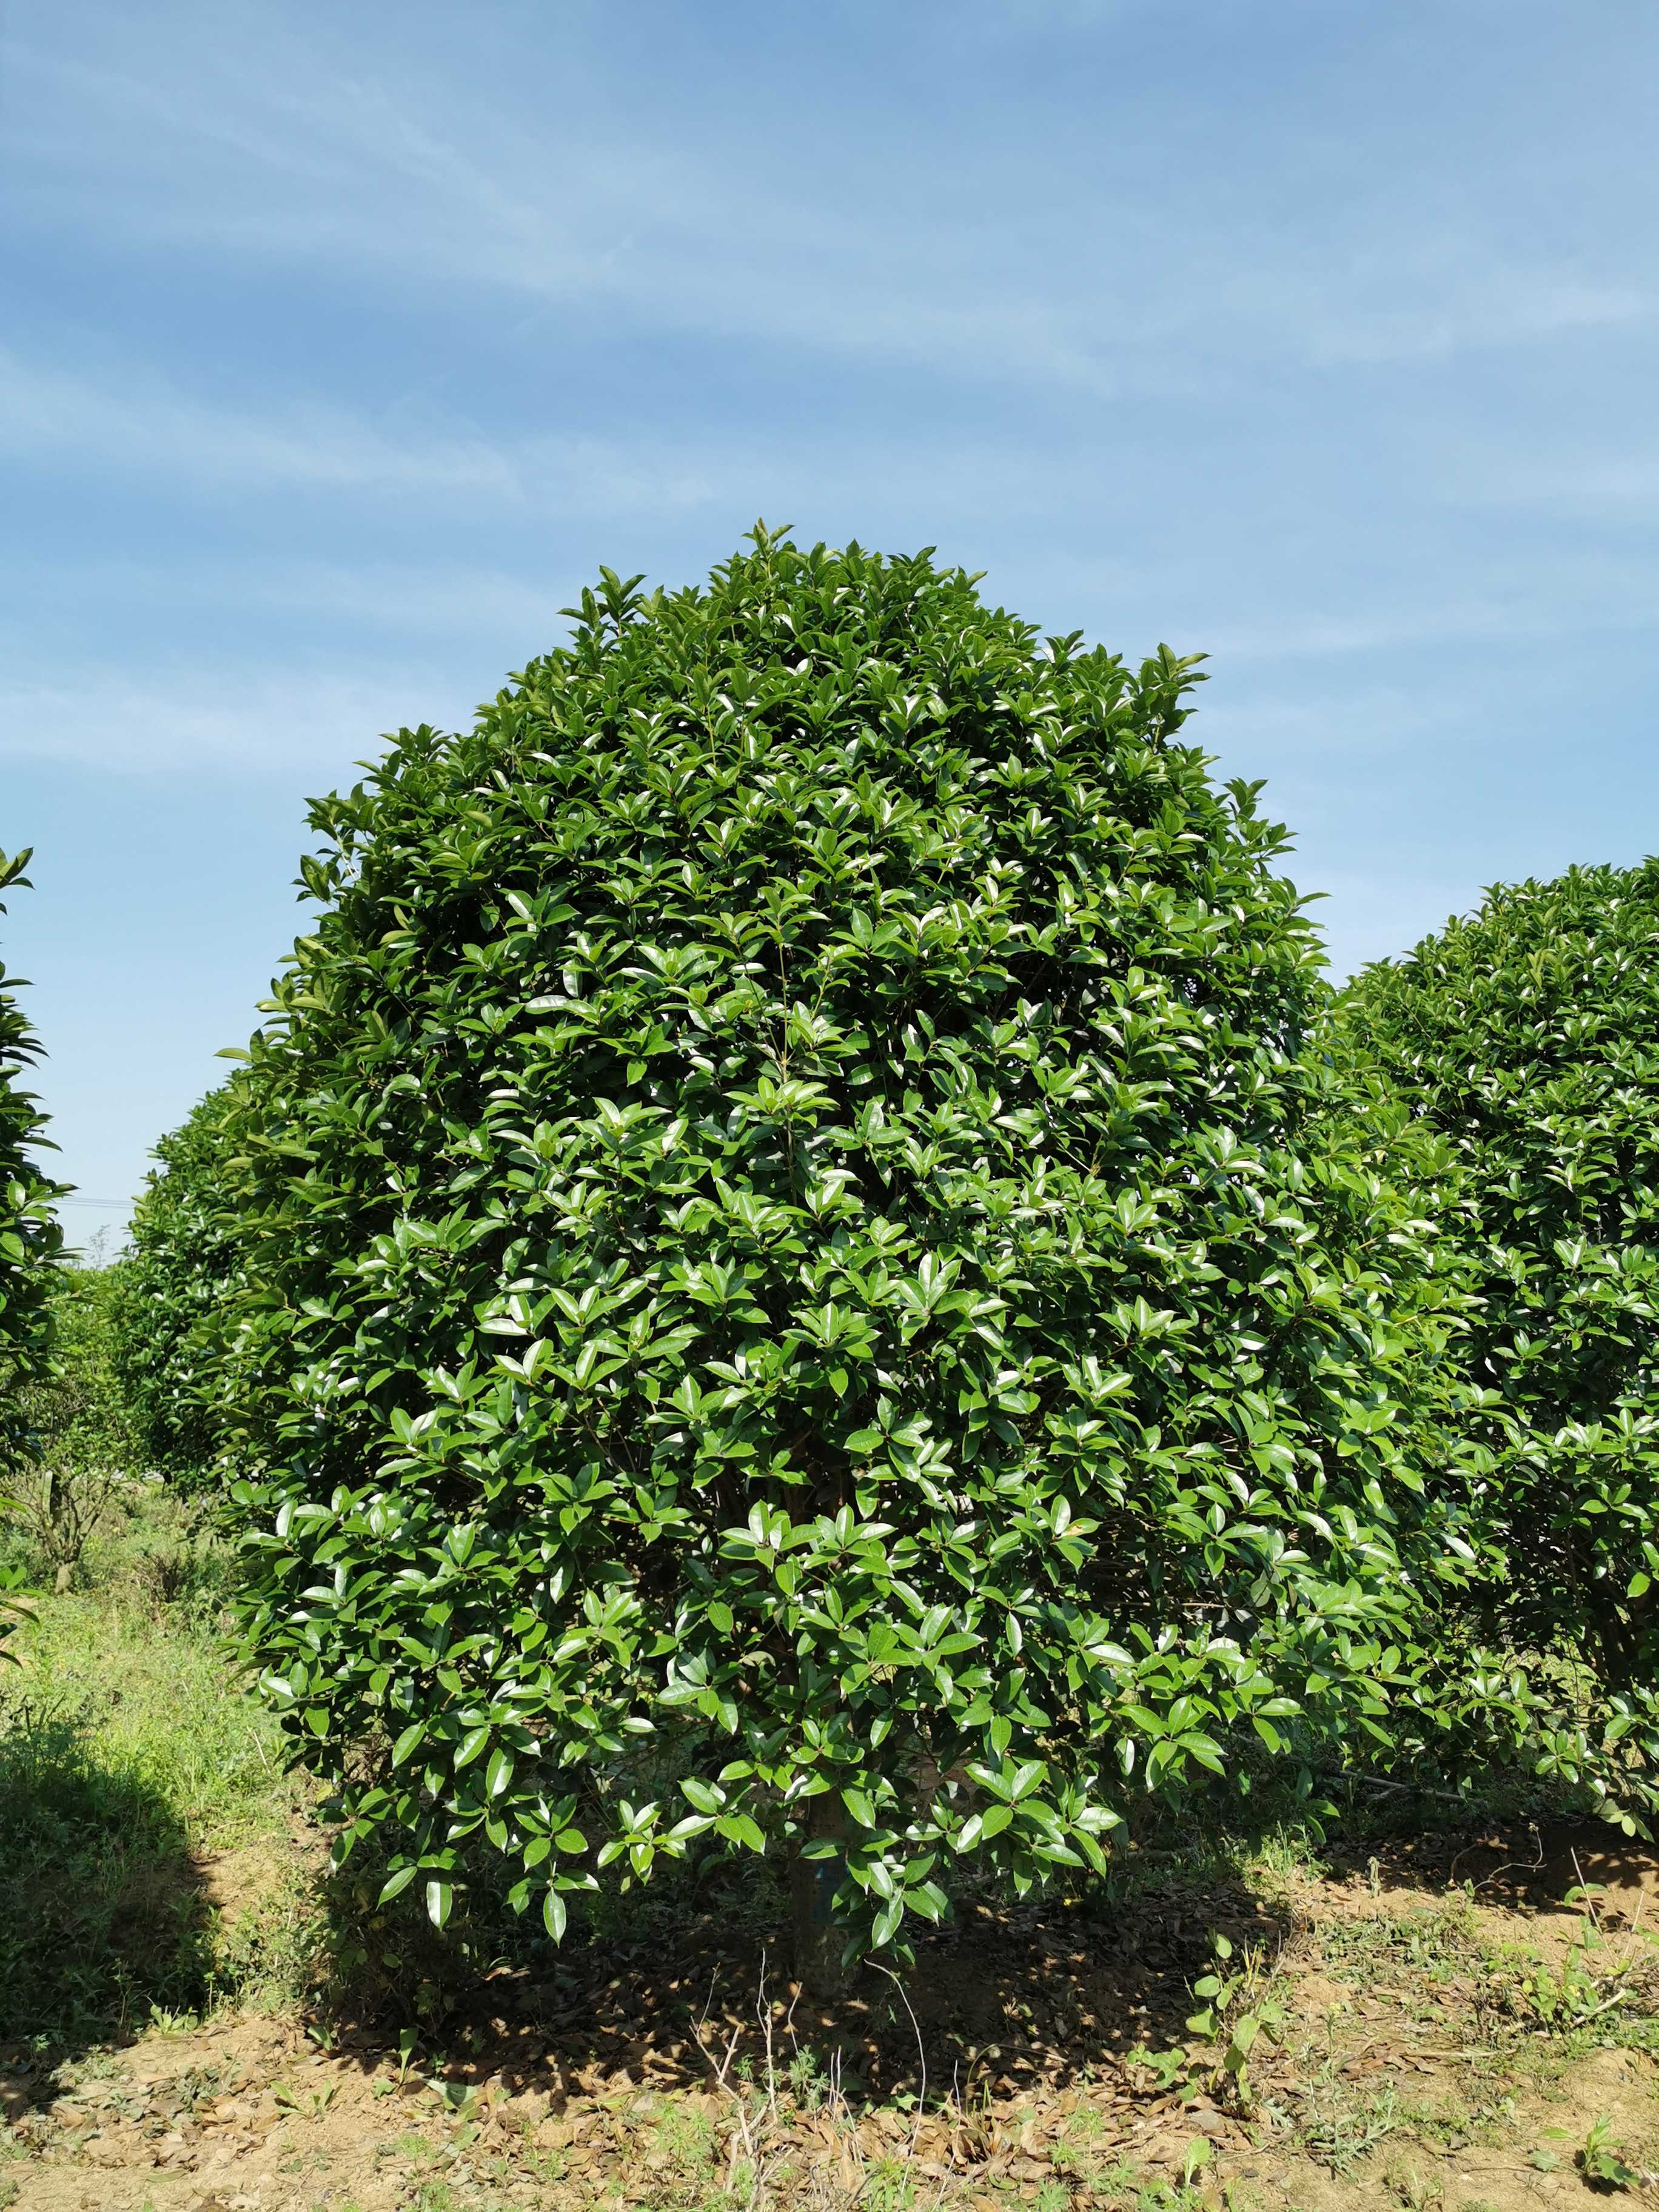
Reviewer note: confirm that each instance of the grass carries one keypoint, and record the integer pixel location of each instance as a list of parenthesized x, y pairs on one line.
[(152, 1685), (127, 1759)]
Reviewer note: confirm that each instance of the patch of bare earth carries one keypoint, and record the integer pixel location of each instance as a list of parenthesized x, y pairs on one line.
[(1440, 2030)]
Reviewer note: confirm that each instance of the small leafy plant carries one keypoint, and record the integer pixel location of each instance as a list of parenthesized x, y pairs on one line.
[(459, 2098), (304, 2101), (16, 1607), (1603, 2162), (1236, 2008), (1166, 2067), (1596, 1980)]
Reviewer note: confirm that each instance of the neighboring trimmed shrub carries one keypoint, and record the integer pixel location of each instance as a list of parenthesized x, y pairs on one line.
[(30, 1238), (1527, 1037), (787, 1255), (172, 1296)]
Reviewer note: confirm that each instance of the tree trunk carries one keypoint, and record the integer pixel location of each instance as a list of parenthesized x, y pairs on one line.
[(819, 1940), (58, 1531)]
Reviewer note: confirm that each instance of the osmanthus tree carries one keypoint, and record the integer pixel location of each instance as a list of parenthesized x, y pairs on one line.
[(1527, 1038), (791, 1299), (30, 1238), (171, 1298)]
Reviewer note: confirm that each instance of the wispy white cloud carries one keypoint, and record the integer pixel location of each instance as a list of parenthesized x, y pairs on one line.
[(123, 419), (1578, 595), (1378, 721), (142, 427), (438, 600), (272, 145), (229, 719), (268, 139), (1480, 301), (131, 423)]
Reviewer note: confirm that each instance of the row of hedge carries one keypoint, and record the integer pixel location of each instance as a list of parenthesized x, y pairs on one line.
[(30, 1239), (803, 1259)]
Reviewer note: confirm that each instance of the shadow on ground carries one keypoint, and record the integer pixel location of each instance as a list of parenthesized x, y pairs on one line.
[(1524, 1866), (104, 1924), (1002, 2001)]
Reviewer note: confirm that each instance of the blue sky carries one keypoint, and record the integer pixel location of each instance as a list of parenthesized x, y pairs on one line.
[(340, 345)]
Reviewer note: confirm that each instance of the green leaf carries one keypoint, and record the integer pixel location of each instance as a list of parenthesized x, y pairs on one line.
[(471, 1745)]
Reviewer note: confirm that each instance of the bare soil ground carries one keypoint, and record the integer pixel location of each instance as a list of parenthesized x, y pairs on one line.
[(1445, 2026)]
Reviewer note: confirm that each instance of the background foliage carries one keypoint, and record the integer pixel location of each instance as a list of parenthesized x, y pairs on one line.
[(789, 1239), (1522, 1043), (30, 1238), (171, 1299), (83, 1445)]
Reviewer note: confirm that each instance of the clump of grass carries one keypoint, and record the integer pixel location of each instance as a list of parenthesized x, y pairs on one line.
[(1338, 2129), (162, 1549), (154, 1690), (1433, 1940), (126, 1754)]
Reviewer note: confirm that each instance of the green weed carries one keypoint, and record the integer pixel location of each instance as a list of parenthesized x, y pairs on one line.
[(1339, 2130), (1431, 1941), (1602, 2161)]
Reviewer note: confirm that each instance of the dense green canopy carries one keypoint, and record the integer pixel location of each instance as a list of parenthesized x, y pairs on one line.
[(171, 1299), (1528, 1038), (30, 1239), (789, 1252)]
